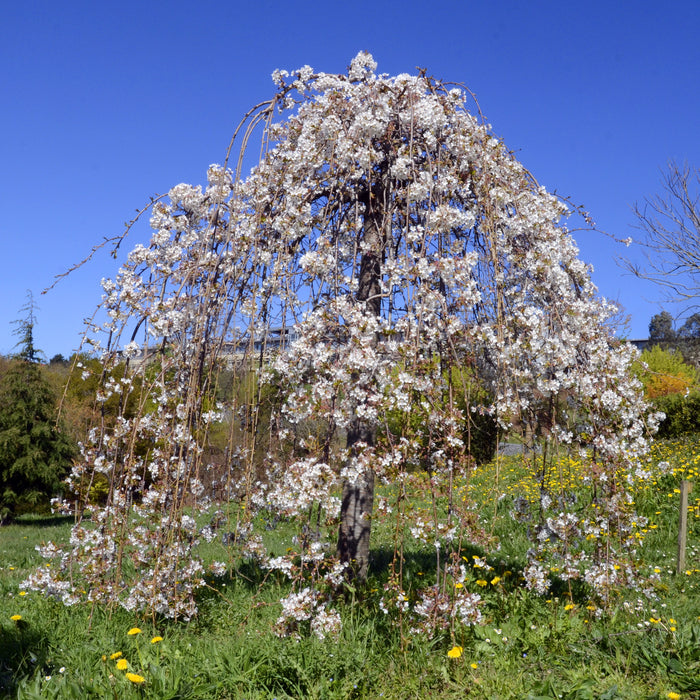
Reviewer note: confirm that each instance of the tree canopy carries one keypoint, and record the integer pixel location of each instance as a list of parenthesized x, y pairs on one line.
[(661, 328), (385, 239), (35, 453)]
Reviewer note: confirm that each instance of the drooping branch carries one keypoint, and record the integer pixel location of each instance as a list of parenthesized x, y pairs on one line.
[(385, 251)]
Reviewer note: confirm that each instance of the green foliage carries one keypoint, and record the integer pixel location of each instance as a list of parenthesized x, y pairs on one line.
[(480, 432), (685, 340), (682, 415), (35, 453), (690, 330), (25, 332), (671, 384), (661, 328), (666, 373)]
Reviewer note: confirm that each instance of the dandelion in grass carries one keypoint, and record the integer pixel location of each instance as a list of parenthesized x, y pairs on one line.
[(569, 606), (135, 678), (495, 580), (481, 582), (455, 652), (16, 618), (673, 696), (122, 665), (474, 665), (133, 631), (156, 639), (116, 655)]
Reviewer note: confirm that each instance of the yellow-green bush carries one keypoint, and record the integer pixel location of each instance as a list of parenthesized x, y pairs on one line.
[(665, 373)]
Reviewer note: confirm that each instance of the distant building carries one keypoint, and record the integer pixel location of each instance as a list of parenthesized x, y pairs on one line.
[(641, 345)]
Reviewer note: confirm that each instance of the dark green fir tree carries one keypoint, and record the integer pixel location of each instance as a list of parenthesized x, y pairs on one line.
[(35, 453)]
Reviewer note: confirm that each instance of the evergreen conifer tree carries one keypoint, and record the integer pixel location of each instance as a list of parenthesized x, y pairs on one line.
[(35, 454)]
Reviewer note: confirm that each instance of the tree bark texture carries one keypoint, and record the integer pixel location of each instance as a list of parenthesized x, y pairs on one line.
[(358, 496), (356, 513)]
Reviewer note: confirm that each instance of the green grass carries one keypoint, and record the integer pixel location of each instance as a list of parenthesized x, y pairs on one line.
[(529, 647)]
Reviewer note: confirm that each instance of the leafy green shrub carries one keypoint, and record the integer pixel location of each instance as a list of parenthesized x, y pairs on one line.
[(665, 373), (480, 431), (670, 383), (682, 414)]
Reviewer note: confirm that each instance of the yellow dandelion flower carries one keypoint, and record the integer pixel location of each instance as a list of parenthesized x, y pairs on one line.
[(474, 665), (133, 631), (673, 696), (135, 678), (481, 582), (156, 639), (16, 618), (116, 655), (455, 652), (23, 592), (122, 665), (569, 606), (495, 580)]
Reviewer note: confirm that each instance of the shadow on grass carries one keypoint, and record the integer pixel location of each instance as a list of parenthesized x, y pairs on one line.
[(414, 561), (33, 520), (418, 571), (22, 652)]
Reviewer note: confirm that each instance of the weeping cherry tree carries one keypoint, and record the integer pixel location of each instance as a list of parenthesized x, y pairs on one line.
[(386, 280)]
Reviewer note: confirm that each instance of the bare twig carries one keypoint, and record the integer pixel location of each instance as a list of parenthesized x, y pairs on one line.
[(671, 244)]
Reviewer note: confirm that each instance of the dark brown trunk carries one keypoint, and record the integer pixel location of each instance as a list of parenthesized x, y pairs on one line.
[(358, 496)]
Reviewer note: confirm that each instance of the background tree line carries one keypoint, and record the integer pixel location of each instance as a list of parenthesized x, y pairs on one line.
[(47, 408), (35, 448), (670, 375)]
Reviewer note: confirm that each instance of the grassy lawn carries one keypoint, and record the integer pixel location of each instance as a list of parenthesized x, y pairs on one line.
[(529, 646)]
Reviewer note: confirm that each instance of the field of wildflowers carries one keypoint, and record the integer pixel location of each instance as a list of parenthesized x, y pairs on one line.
[(642, 643)]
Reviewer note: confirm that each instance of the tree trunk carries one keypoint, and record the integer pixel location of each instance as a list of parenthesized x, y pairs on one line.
[(358, 496), (356, 512)]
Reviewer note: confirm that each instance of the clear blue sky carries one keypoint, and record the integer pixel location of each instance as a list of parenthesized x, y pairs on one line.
[(107, 103)]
